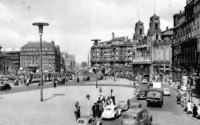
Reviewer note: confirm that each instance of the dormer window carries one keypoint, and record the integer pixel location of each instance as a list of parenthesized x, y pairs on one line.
[(140, 31)]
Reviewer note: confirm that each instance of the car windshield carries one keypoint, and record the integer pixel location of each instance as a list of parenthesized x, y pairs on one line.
[(125, 116), (141, 92), (80, 121), (166, 89), (154, 94), (108, 109)]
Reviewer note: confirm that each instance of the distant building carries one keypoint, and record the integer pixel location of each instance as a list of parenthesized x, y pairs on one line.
[(30, 57), (5, 64), (14, 58), (69, 61), (114, 53)]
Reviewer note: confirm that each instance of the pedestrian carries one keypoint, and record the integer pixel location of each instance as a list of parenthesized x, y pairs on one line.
[(99, 100), (198, 111), (194, 111), (97, 110), (77, 112), (54, 83), (77, 79), (94, 110), (189, 107)]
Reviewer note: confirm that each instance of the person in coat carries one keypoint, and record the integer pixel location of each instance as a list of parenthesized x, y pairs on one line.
[(194, 110), (94, 110)]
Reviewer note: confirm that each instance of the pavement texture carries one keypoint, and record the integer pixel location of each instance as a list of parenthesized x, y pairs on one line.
[(25, 108), (195, 98)]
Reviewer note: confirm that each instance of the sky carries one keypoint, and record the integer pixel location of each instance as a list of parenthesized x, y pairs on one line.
[(74, 23)]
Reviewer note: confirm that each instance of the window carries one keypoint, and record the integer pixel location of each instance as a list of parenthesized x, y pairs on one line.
[(156, 36), (140, 31), (156, 26)]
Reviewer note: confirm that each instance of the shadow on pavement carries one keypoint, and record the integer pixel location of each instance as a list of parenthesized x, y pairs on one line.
[(58, 94), (50, 97)]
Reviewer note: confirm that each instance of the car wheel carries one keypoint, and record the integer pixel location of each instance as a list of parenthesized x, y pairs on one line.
[(100, 123)]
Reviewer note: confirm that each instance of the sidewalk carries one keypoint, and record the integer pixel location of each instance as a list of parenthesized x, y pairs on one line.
[(195, 98)]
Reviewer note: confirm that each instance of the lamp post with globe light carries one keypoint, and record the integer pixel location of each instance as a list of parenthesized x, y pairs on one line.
[(40, 26)]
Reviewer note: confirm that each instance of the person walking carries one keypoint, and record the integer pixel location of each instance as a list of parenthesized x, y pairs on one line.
[(195, 111), (54, 83), (94, 110), (77, 112), (198, 111), (189, 107)]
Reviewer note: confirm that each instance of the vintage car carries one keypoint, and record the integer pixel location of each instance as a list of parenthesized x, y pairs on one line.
[(5, 87), (137, 116), (111, 112), (166, 91), (145, 79), (142, 94), (135, 105), (155, 97), (88, 120), (123, 105)]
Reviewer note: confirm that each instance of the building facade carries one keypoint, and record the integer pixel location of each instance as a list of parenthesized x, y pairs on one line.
[(114, 55), (14, 55), (69, 61), (30, 57), (6, 66), (186, 44), (151, 52)]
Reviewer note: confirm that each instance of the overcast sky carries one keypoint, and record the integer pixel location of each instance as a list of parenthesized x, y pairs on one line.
[(73, 23)]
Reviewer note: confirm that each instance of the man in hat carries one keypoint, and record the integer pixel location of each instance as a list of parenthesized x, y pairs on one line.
[(194, 111)]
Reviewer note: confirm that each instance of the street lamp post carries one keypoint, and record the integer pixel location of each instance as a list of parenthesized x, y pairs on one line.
[(40, 26), (96, 43), (114, 62)]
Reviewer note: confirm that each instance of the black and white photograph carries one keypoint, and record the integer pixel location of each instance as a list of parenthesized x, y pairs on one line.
[(100, 62)]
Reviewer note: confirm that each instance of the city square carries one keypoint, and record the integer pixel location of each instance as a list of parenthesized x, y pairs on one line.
[(98, 62)]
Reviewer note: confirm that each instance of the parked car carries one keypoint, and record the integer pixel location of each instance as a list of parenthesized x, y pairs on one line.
[(111, 112), (88, 120), (145, 79), (142, 94), (155, 97), (139, 116), (123, 105), (135, 105), (166, 91), (5, 87)]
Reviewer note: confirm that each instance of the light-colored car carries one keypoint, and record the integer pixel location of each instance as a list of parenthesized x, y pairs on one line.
[(137, 116), (166, 91), (111, 111), (88, 120), (123, 105)]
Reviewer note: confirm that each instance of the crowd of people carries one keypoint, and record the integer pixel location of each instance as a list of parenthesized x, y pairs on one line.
[(98, 107), (192, 108)]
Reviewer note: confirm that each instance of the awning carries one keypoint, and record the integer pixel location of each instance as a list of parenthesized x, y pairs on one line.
[(141, 63)]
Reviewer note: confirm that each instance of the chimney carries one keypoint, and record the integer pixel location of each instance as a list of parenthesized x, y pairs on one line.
[(113, 35), (52, 42), (167, 28)]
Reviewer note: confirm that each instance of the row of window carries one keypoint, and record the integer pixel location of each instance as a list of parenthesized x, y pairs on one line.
[(35, 49)]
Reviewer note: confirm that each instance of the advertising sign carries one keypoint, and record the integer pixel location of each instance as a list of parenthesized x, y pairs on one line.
[(184, 83)]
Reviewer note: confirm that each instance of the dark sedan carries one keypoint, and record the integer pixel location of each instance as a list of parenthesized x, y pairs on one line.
[(5, 87)]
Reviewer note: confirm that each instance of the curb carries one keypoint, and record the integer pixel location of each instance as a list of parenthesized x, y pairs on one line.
[(195, 119)]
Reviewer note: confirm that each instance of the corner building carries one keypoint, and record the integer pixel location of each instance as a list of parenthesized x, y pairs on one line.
[(30, 57)]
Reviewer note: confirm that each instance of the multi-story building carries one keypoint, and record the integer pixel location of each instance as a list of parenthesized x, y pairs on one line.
[(160, 47), (30, 57), (5, 64), (141, 51), (151, 53), (14, 55), (69, 61), (186, 44), (116, 53)]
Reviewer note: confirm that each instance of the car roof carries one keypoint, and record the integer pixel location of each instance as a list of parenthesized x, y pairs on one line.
[(133, 111), (156, 89), (110, 106), (85, 117)]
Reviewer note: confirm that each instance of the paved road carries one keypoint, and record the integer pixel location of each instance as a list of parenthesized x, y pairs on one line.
[(169, 114)]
